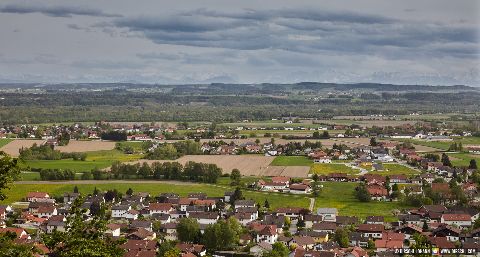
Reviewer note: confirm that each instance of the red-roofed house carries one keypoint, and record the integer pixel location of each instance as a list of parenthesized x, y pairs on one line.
[(460, 220)]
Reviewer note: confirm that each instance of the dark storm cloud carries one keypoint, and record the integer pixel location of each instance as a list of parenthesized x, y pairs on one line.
[(300, 30), (54, 11)]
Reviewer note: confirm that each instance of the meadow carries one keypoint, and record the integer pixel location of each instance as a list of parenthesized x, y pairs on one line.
[(463, 159), (396, 169), (340, 195), (97, 159), (327, 168), (5, 141), (334, 194)]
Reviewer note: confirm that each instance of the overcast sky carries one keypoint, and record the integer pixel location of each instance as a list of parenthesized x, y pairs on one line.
[(242, 41)]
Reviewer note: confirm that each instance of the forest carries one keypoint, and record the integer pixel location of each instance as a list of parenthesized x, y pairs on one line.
[(224, 103)]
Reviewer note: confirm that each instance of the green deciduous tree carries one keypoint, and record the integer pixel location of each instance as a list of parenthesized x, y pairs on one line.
[(235, 177), (9, 171), (188, 230)]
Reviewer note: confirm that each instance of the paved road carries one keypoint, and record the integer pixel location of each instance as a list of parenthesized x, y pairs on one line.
[(312, 204)]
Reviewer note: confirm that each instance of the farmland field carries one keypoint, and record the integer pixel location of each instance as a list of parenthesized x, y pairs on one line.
[(13, 147), (328, 168), (249, 165), (291, 161), (86, 146)]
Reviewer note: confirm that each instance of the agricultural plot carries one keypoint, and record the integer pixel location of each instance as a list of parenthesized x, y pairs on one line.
[(86, 146), (328, 168), (249, 165), (291, 161), (14, 146)]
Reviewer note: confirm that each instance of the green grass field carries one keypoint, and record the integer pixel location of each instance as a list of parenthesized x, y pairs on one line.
[(396, 169), (19, 191), (4, 141), (444, 145), (292, 161), (340, 195), (327, 168), (463, 159), (97, 159), (334, 194)]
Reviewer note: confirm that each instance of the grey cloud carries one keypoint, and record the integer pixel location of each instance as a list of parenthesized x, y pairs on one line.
[(299, 30), (54, 11)]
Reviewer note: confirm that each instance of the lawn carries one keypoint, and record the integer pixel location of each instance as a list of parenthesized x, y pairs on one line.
[(97, 159), (291, 161), (396, 169), (4, 141), (463, 159), (334, 194), (327, 168), (340, 195)]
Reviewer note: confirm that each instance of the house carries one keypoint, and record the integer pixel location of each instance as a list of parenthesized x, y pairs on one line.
[(160, 208), (312, 219), (70, 197), (146, 224), (196, 249), (371, 230), (460, 220), (205, 217), (113, 229), (306, 242), (120, 211), (38, 197), (395, 179), (142, 234), (268, 234), (375, 220), (328, 214), (260, 248), (323, 160), (300, 189), (46, 211), (281, 179), (451, 233), (292, 212), (377, 192), (272, 186), (55, 224), (142, 248), (20, 232), (327, 227), (244, 203)]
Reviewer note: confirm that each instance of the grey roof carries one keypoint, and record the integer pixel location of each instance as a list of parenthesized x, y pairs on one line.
[(327, 211)]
